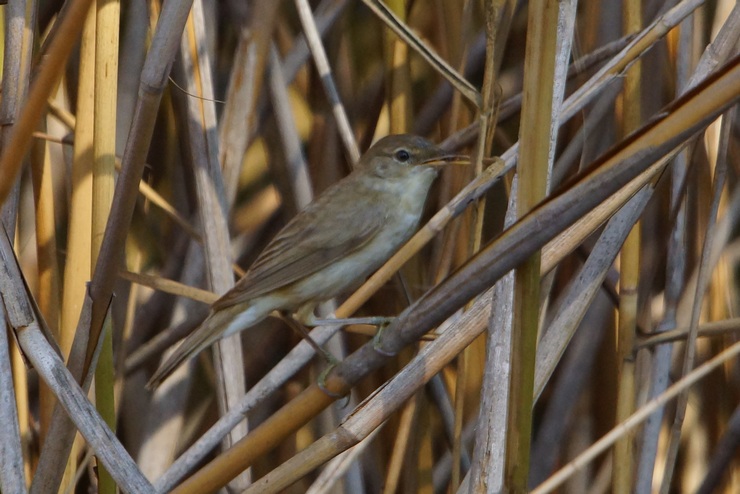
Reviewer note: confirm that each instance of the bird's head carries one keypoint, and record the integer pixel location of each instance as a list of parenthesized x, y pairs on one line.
[(405, 155)]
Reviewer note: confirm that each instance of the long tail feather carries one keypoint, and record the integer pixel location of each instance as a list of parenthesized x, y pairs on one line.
[(211, 330), (219, 323)]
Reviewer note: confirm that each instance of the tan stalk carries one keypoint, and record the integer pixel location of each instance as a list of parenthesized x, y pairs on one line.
[(104, 169), (398, 461), (424, 450), (533, 175), (624, 459), (48, 283), (170, 286), (399, 75), (77, 268)]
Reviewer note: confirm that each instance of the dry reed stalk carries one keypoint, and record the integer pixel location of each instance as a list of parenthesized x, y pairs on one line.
[(436, 423)]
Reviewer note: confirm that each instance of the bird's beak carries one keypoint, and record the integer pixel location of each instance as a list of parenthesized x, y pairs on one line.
[(443, 158)]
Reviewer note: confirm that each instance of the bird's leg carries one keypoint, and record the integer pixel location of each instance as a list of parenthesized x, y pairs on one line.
[(370, 321), (303, 318), (309, 319), (298, 326)]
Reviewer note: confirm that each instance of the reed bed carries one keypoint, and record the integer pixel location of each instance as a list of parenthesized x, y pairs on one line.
[(566, 314)]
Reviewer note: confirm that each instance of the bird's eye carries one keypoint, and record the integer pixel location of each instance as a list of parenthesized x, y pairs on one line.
[(402, 155)]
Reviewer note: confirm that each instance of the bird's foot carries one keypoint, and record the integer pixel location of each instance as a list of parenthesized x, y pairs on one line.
[(379, 321), (371, 321), (378, 340), (322, 384)]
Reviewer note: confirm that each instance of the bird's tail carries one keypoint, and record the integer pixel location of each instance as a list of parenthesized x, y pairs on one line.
[(214, 327)]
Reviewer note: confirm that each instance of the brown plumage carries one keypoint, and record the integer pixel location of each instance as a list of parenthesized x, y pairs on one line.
[(331, 246)]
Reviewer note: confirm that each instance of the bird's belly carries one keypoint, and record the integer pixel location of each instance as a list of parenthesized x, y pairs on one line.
[(350, 271)]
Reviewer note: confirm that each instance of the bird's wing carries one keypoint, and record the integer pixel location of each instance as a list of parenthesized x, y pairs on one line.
[(302, 248)]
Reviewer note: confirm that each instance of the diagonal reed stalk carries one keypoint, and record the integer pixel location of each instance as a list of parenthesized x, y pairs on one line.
[(599, 133)]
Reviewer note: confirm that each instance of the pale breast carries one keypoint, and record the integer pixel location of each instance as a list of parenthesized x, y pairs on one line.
[(400, 224)]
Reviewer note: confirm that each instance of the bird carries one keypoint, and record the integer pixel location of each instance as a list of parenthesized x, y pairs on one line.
[(329, 247)]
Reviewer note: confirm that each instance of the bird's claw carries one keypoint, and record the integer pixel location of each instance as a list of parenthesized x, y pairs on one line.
[(377, 340), (322, 384)]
